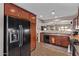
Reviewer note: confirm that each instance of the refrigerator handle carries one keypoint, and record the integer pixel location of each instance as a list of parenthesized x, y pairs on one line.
[(20, 36)]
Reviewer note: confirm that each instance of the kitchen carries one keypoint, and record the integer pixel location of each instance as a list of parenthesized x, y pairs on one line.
[(28, 28)]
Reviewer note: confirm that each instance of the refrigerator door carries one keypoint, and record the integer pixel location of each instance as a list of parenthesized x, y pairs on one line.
[(13, 42), (24, 40), (17, 37)]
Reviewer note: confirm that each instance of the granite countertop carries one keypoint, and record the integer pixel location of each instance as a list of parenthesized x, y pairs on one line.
[(58, 34)]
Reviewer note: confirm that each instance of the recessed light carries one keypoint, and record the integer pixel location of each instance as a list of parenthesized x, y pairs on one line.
[(12, 10), (62, 27), (66, 27), (65, 21), (69, 29), (53, 13), (45, 29), (56, 19), (33, 17), (40, 16)]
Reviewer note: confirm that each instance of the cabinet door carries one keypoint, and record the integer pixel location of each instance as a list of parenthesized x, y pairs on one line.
[(76, 23), (33, 35), (24, 15), (11, 10), (41, 37), (32, 18), (64, 41), (58, 40)]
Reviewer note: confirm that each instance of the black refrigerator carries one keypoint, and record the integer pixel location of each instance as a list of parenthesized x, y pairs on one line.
[(16, 37)]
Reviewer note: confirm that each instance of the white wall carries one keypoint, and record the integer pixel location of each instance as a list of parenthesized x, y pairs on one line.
[(1, 28), (38, 28)]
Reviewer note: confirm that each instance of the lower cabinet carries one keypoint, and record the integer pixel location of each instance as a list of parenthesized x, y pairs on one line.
[(58, 40)]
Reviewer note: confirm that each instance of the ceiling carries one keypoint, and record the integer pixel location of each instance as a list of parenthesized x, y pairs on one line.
[(45, 9), (64, 11)]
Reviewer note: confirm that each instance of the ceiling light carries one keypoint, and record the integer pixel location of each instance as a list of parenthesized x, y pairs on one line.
[(12, 10), (68, 29), (56, 19), (53, 12), (45, 29), (62, 21), (62, 27), (65, 21), (40, 16)]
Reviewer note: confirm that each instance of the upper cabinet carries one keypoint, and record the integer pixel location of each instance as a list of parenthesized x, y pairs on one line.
[(11, 10), (76, 21), (15, 11), (32, 18)]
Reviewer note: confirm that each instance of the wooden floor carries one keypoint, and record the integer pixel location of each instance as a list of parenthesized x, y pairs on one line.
[(41, 50)]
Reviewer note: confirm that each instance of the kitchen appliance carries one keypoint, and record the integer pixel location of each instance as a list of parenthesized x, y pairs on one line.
[(16, 37), (46, 39)]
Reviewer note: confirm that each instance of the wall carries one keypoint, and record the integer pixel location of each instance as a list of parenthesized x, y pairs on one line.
[(38, 28), (1, 28)]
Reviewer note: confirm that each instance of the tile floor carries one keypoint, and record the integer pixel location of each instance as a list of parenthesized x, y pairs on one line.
[(43, 49)]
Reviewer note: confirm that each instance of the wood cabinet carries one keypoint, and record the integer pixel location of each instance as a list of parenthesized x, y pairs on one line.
[(32, 18), (20, 13), (56, 39), (15, 11), (41, 37), (76, 21), (33, 36), (60, 40)]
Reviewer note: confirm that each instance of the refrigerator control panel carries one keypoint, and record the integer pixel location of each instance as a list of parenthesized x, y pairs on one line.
[(12, 35)]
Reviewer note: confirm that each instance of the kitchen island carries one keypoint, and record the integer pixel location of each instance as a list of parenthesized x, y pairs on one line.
[(55, 39)]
